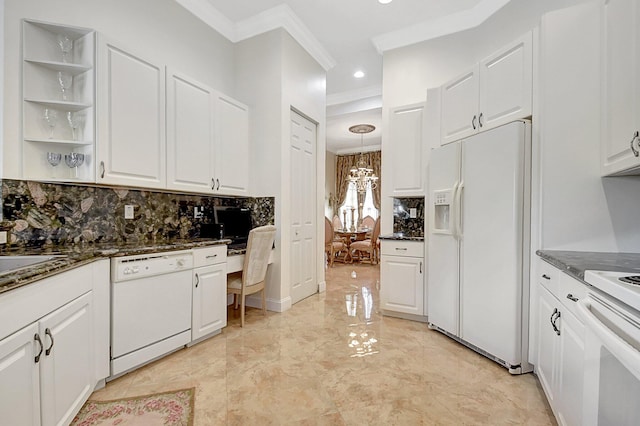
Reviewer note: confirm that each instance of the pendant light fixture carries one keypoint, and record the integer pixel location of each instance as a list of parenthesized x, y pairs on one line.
[(361, 174)]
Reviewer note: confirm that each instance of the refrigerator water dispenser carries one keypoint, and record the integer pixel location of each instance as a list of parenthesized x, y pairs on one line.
[(442, 213)]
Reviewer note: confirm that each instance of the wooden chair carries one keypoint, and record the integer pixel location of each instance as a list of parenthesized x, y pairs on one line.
[(332, 246), (367, 249), (368, 222), (337, 223), (254, 270)]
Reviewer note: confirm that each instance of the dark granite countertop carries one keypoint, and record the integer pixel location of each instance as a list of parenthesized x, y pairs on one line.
[(575, 263), (401, 237), (82, 254)]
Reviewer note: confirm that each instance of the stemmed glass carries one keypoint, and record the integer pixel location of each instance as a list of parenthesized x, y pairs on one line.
[(74, 159), (66, 46), (50, 117), (75, 119), (66, 81), (54, 159)]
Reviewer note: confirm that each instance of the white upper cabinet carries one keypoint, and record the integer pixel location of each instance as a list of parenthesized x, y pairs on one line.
[(231, 146), (58, 102), (190, 149), (621, 88), (494, 92), (131, 124), (406, 137)]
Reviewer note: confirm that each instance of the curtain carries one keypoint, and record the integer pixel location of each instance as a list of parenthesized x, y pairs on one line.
[(344, 164)]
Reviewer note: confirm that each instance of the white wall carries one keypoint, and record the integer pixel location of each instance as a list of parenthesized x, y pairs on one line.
[(161, 27)]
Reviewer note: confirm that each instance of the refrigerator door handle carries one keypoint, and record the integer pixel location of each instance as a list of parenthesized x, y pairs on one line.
[(454, 213), (457, 220)]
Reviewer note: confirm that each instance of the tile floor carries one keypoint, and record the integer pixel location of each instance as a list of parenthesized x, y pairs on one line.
[(334, 360)]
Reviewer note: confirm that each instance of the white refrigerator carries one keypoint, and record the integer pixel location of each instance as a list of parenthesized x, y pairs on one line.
[(479, 225)]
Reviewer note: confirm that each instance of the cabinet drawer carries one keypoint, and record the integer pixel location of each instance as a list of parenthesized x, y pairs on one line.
[(569, 290), (210, 255), (548, 276), (402, 248)]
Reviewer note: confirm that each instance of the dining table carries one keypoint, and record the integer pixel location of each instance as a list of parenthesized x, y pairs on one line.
[(350, 236)]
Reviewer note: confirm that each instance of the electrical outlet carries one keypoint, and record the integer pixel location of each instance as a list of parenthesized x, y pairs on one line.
[(413, 213), (3, 237), (129, 211), (198, 212)]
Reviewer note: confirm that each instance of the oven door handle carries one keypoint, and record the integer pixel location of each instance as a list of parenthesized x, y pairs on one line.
[(619, 348)]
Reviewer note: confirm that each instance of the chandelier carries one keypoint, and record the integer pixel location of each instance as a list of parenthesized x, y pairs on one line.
[(361, 174)]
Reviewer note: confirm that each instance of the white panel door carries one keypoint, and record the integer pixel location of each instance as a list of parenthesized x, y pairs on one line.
[(190, 112), (209, 300), (303, 207), (232, 146), (460, 106), (20, 378), (506, 84), (66, 369), (621, 107), (406, 135), (131, 119), (492, 238), (443, 257), (402, 287)]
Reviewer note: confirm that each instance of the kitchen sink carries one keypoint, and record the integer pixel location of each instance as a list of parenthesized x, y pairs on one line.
[(15, 263)]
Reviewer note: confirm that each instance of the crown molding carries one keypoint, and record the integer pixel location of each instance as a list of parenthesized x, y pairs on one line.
[(211, 16), (354, 95), (438, 27), (277, 17), (283, 16), (358, 150)]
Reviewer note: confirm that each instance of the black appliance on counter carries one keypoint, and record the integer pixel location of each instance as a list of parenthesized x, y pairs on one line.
[(233, 223)]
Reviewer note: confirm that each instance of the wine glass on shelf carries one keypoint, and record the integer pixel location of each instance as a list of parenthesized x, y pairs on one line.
[(66, 46), (73, 160), (66, 81), (54, 158), (50, 117), (75, 119)]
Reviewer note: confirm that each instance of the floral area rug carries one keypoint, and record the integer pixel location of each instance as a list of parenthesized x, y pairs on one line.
[(174, 408)]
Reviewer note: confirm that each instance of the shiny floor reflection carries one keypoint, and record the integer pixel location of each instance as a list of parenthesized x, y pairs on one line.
[(334, 359)]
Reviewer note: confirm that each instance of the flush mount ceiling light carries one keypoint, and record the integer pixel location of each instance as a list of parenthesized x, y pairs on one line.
[(384, 1), (361, 174), (358, 74)]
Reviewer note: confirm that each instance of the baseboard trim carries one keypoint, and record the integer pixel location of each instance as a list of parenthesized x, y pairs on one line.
[(273, 305), (322, 287)]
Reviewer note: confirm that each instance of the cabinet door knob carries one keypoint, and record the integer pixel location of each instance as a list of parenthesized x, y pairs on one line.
[(102, 170), (473, 122), (218, 181), (480, 119), (420, 267), (636, 136), (47, 332), (36, 337), (546, 277), (213, 184), (197, 280)]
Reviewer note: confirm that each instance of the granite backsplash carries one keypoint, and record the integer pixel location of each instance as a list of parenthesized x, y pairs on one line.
[(38, 214), (402, 220)]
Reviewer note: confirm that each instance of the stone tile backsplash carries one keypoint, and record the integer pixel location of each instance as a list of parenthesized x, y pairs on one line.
[(39, 213), (402, 222)]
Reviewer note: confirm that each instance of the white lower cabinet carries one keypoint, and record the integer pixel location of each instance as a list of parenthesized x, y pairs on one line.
[(402, 278), (560, 365), (50, 366), (209, 307)]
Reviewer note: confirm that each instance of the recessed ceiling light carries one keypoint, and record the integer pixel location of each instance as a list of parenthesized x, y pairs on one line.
[(358, 74), (384, 1)]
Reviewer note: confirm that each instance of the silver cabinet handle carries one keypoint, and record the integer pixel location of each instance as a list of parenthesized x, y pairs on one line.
[(554, 317), (473, 122), (218, 187), (420, 267), (546, 277), (213, 184), (197, 280), (36, 337), (480, 119), (572, 297), (102, 170), (636, 135), (211, 256), (47, 332), (401, 248)]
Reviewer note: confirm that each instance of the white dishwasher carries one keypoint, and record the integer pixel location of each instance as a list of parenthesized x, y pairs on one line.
[(150, 307)]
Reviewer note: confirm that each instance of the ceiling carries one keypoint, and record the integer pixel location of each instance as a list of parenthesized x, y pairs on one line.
[(346, 36)]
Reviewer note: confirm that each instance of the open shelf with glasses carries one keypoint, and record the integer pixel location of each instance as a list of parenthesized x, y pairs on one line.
[(58, 111)]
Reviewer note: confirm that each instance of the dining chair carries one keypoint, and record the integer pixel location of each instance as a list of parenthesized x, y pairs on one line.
[(337, 223), (361, 250), (368, 222), (332, 245), (254, 270)]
